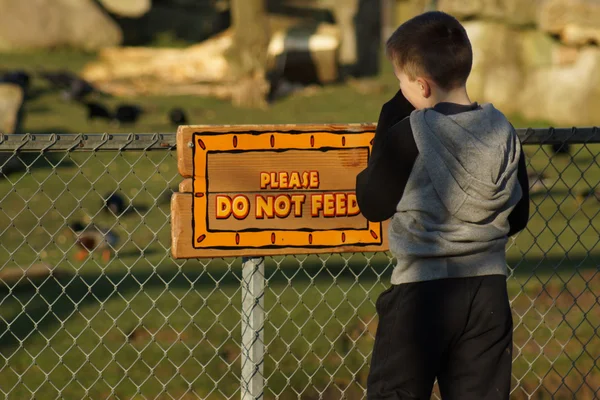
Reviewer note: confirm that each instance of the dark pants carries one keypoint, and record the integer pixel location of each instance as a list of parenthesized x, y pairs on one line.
[(456, 330)]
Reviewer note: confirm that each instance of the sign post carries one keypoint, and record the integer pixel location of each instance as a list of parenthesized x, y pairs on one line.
[(253, 323), (261, 190)]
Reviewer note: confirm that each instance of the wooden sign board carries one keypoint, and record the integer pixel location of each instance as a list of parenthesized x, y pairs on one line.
[(269, 190)]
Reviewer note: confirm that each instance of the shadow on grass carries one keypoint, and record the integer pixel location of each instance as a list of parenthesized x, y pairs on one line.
[(56, 299)]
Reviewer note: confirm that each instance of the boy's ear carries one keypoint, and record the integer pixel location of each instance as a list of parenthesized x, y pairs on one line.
[(424, 87)]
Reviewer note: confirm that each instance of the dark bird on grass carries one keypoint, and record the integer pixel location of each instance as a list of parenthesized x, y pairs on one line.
[(587, 194), (90, 238), (115, 203), (61, 79), (78, 90), (97, 110), (538, 182), (561, 148), (72, 86), (17, 77), (178, 117), (127, 114)]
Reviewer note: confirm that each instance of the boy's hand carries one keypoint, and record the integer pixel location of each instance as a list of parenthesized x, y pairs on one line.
[(394, 111)]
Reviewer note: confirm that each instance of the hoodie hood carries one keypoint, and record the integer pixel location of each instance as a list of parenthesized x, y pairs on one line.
[(463, 163)]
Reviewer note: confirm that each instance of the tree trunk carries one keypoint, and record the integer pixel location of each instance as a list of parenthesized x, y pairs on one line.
[(248, 54)]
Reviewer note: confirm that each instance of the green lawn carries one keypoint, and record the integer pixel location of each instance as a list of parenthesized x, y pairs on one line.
[(144, 325)]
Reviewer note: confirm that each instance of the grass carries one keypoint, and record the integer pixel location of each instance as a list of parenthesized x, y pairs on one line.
[(146, 326)]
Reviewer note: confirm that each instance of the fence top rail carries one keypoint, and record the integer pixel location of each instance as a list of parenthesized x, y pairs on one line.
[(88, 142), (168, 141)]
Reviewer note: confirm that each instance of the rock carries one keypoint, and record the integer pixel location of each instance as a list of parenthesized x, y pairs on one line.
[(537, 49), (127, 8), (131, 70), (11, 101), (35, 24), (514, 12), (564, 55), (567, 95), (577, 22), (11, 104), (496, 74), (502, 85), (203, 62)]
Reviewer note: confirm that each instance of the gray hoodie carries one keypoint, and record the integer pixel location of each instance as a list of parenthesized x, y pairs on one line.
[(452, 218)]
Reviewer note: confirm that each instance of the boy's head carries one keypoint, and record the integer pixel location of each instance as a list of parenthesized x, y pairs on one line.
[(432, 57)]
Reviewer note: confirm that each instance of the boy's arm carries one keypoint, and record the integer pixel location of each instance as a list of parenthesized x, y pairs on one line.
[(519, 216), (379, 187)]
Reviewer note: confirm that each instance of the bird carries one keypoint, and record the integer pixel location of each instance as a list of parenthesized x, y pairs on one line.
[(127, 114), (17, 77), (78, 90), (97, 110), (561, 148), (582, 195), (538, 182), (90, 238), (178, 117), (72, 86), (60, 79), (115, 203)]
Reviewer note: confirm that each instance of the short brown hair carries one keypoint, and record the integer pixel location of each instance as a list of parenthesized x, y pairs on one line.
[(434, 45)]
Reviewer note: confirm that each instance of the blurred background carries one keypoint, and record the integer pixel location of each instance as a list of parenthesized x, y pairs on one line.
[(92, 305), (67, 66)]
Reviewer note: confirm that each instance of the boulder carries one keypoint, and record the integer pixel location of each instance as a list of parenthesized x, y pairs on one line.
[(577, 22), (514, 12), (127, 8), (11, 101), (537, 49), (34, 24), (497, 73), (200, 63), (567, 95)]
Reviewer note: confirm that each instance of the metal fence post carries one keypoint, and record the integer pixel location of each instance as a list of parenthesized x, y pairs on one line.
[(253, 320)]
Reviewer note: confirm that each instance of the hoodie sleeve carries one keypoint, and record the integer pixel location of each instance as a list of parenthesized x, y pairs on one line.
[(519, 216), (380, 186)]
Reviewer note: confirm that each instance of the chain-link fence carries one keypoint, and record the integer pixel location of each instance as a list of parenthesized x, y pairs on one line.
[(127, 321)]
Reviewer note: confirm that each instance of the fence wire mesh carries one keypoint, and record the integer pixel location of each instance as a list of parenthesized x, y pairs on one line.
[(125, 320)]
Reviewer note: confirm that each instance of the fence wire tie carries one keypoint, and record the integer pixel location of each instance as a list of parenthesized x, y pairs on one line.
[(528, 133), (155, 140), (28, 137), (104, 139), (130, 139), (573, 133), (77, 142), (52, 141)]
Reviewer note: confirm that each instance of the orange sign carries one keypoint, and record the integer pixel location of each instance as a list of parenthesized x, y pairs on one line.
[(272, 191)]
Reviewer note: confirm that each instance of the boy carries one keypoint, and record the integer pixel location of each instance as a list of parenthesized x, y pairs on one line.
[(452, 179)]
